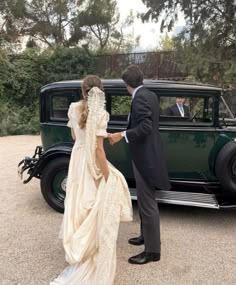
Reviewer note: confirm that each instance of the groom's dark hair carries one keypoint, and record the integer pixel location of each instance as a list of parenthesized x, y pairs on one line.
[(133, 76)]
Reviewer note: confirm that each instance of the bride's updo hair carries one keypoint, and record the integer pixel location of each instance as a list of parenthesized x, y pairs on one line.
[(88, 83)]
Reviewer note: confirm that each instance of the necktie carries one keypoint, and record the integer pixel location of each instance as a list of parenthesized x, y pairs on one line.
[(181, 110)]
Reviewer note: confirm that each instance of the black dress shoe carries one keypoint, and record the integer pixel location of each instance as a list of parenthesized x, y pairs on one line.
[(144, 258), (136, 241)]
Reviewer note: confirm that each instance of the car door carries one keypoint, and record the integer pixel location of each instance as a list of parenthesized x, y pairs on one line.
[(118, 102), (188, 139)]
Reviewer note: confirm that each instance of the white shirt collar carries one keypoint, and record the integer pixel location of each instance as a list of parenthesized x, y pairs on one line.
[(135, 91)]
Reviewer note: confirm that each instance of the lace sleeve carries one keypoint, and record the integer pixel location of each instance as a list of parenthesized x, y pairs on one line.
[(73, 114), (101, 130), (69, 114)]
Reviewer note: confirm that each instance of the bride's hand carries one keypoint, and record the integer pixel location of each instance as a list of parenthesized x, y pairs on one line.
[(106, 176), (114, 138)]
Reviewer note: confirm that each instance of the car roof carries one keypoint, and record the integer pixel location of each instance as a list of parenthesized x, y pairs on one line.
[(149, 83)]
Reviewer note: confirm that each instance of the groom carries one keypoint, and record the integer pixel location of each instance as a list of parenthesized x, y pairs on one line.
[(149, 168)]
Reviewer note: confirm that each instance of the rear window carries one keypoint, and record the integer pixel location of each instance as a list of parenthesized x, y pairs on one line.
[(58, 103), (118, 105)]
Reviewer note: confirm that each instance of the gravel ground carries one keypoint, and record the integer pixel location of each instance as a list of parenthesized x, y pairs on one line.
[(198, 245)]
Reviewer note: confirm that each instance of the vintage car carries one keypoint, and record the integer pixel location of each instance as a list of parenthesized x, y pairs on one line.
[(199, 146)]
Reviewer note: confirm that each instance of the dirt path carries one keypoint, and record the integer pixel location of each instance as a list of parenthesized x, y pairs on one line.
[(198, 245)]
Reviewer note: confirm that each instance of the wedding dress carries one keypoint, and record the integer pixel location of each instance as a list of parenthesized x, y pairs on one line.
[(93, 207)]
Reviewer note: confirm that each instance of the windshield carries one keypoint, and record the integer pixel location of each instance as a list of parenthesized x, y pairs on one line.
[(227, 107)]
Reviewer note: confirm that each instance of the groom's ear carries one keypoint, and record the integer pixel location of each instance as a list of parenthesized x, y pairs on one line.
[(130, 89)]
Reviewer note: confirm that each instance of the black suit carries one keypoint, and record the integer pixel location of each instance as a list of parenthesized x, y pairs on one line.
[(174, 111), (149, 166)]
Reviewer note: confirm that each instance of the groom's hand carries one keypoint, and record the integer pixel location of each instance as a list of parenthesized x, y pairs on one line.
[(114, 138)]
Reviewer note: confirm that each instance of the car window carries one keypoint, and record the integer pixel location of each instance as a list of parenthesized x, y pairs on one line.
[(224, 109), (119, 106), (59, 102), (186, 110)]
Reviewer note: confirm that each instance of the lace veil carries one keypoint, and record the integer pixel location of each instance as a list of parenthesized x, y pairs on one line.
[(96, 113)]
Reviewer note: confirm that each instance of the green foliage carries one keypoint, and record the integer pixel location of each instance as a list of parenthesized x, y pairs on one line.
[(166, 43), (207, 64), (203, 18), (53, 23), (11, 22), (210, 66), (22, 76), (65, 23), (17, 121), (65, 64), (100, 20), (207, 44), (121, 105)]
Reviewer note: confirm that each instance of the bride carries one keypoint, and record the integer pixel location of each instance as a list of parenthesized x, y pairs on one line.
[(97, 195)]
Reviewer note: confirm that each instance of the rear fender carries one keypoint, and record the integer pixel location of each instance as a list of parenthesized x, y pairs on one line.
[(59, 150)]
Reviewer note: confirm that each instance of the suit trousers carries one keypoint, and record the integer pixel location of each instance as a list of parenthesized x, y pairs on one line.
[(149, 214)]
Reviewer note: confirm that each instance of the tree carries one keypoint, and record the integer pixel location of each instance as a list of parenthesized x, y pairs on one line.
[(53, 23), (167, 43), (122, 41), (201, 16), (101, 21), (50, 22), (11, 22), (209, 38)]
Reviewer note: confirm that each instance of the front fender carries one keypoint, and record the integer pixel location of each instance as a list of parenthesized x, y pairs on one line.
[(221, 140)]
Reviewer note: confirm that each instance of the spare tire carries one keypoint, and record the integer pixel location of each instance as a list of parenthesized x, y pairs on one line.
[(225, 167)]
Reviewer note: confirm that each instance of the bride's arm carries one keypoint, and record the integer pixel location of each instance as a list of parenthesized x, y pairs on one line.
[(101, 157), (72, 133)]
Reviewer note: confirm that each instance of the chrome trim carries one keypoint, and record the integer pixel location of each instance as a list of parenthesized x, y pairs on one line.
[(228, 207), (187, 129), (171, 128), (174, 129), (133, 198), (186, 203), (203, 200), (194, 182), (56, 123), (225, 129)]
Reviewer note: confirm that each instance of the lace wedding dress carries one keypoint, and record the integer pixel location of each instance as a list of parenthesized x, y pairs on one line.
[(93, 207)]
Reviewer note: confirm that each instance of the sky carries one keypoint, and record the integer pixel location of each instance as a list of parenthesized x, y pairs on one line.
[(149, 32)]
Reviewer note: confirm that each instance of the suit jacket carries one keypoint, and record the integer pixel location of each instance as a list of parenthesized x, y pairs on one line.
[(174, 111), (144, 139)]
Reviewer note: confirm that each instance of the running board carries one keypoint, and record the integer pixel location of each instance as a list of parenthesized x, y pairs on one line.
[(183, 198)]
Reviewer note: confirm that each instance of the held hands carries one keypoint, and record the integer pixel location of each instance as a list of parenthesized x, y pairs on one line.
[(114, 138)]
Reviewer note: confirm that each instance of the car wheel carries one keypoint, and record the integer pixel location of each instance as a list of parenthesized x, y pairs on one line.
[(53, 183), (225, 167)]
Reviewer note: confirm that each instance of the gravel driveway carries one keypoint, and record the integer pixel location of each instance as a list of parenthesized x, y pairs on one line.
[(198, 245)]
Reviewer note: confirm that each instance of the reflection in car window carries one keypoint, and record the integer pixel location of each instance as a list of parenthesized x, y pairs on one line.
[(194, 110), (60, 102), (120, 107), (224, 110)]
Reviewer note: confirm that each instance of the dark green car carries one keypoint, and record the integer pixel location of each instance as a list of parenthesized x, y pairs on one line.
[(199, 146)]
